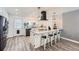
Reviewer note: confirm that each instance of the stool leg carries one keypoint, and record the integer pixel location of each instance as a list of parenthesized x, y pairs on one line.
[(55, 38), (45, 44), (51, 41), (58, 36)]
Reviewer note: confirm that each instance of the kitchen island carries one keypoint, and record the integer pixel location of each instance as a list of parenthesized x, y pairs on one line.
[(36, 37)]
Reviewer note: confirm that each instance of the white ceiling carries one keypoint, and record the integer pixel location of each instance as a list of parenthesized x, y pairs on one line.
[(22, 11), (25, 11)]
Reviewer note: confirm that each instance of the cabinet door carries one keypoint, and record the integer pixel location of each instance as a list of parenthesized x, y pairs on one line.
[(37, 41)]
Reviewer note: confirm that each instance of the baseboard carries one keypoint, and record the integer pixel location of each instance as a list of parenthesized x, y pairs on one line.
[(14, 36), (74, 41)]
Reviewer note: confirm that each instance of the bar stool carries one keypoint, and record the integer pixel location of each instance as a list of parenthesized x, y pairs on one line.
[(58, 35), (55, 36), (51, 37), (44, 38)]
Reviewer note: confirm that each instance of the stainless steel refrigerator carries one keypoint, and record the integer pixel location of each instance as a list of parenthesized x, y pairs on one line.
[(3, 32)]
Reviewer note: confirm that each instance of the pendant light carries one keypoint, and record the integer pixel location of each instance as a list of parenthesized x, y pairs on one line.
[(54, 18)]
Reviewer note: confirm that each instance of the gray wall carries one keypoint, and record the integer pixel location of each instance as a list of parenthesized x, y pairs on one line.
[(71, 25)]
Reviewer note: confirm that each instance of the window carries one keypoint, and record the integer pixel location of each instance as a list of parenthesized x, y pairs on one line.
[(18, 23)]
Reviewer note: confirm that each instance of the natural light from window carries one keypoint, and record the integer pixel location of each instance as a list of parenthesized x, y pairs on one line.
[(18, 23)]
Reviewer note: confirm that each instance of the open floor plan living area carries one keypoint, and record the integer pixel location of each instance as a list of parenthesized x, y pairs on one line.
[(39, 29)]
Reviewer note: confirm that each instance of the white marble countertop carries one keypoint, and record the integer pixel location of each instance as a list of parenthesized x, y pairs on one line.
[(41, 32), (44, 31)]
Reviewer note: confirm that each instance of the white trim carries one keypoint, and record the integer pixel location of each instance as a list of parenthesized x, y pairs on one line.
[(74, 41)]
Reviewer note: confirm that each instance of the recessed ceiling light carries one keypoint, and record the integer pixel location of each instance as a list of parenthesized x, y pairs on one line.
[(16, 9)]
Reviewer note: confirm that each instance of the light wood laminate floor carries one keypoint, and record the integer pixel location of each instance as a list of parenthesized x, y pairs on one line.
[(22, 43)]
